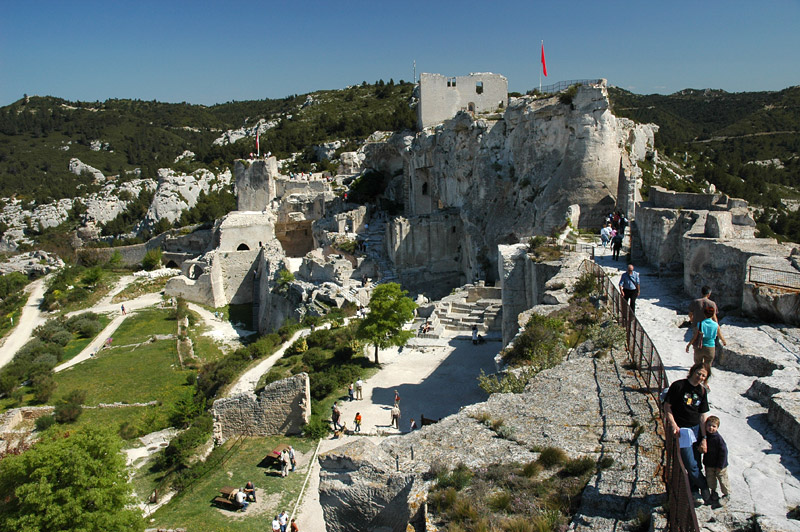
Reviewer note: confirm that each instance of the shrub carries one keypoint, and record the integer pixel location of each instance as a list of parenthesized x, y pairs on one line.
[(61, 338), (509, 382), (67, 412), (499, 501), (127, 430), (458, 478), (316, 429), (152, 259), (540, 346), (285, 278), (586, 285), (552, 456), (443, 500), (576, 467), (44, 422), (182, 447), (531, 469), (568, 95), (43, 387)]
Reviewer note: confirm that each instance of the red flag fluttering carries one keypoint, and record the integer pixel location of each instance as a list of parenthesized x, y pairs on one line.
[(544, 65)]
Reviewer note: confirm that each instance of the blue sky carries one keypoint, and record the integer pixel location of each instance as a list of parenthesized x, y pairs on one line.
[(210, 52)]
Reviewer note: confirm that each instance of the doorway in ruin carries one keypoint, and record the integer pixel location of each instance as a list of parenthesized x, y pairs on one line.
[(243, 247)]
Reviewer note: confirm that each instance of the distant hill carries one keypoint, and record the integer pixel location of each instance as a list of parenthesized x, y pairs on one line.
[(39, 135), (746, 144)]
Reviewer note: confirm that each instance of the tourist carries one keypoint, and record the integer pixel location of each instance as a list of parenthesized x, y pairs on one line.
[(285, 463), (396, 416), (716, 463), (616, 246), (605, 234), (276, 525), (705, 339), (250, 491), (351, 391), (359, 388), (292, 458), (474, 334), (357, 421), (630, 286), (412, 426), (396, 398), (696, 307), (293, 527), (241, 500), (283, 520), (686, 407), (622, 224), (335, 416), (123, 310)]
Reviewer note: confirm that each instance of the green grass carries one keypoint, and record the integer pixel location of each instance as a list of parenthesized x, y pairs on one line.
[(143, 324), (145, 418), (205, 348), (127, 374), (95, 293), (76, 345), (139, 288), (192, 509)]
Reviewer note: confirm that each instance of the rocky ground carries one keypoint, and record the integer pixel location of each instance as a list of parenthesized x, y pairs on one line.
[(764, 468)]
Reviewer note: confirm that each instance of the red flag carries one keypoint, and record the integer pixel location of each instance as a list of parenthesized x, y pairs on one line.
[(544, 65)]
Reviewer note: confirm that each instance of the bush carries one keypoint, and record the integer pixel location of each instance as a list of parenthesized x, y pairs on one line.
[(576, 467), (540, 346), (181, 448), (127, 430), (458, 478), (43, 387), (316, 429), (44, 422), (67, 412), (552, 456), (586, 285), (152, 259), (61, 338)]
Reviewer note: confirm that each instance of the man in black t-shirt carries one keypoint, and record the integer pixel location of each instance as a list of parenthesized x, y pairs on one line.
[(686, 406)]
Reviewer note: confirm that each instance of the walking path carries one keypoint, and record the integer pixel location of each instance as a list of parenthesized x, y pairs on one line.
[(764, 468), (30, 318), (433, 377)]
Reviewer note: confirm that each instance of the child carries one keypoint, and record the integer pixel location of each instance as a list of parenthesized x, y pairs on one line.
[(716, 462), (357, 421)]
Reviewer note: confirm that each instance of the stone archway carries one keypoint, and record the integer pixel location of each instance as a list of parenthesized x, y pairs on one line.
[(243, 247)]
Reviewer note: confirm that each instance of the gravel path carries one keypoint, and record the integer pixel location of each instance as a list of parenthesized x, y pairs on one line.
[(30, 318)]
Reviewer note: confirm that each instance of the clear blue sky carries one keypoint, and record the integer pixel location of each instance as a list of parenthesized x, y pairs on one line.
[(211, 52)]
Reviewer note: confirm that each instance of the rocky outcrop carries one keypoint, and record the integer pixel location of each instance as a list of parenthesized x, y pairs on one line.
[(178, 192), (32, 263), (79, 168), (232, 135), (587, 406)]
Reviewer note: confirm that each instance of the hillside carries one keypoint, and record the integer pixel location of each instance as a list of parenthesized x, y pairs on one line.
[(39, 135), (745, 144)]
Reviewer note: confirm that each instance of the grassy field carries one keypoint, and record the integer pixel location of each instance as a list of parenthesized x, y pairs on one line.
[(97, 292), (192, 509), (139, 288)]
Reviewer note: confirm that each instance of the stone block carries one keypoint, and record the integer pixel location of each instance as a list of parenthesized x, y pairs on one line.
[(783, 415)]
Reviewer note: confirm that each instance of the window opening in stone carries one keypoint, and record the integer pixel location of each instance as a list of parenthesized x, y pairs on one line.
[(451, 82), (453, 229), (471, 107), (479, 87), (243, 247), (424, 189)]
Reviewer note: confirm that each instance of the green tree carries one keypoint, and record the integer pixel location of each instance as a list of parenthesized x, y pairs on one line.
[(152, 259), (74, 481), (389, 310)]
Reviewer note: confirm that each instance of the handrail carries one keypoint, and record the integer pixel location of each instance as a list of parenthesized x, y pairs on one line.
[(643, 353), (562, 86)]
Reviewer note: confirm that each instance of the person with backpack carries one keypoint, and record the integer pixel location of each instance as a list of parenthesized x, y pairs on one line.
[(705, 338)]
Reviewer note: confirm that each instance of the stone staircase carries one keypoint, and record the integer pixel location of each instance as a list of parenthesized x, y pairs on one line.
[(375, 243), (456, 314)]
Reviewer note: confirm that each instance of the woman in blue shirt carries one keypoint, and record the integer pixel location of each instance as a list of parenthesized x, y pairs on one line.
[(707, 331)]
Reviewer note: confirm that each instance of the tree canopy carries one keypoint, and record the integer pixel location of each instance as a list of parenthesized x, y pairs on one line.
[(389, 310), (71, 481)]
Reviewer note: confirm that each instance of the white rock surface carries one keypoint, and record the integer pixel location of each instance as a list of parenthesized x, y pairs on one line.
[(232, 135), (78, 168)]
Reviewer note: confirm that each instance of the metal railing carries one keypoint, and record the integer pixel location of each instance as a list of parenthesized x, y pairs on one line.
[(643, 353), (773, 277), (563, 85)]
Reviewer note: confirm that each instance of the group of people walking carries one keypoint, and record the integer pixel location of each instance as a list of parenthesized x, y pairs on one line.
[(613, 232)]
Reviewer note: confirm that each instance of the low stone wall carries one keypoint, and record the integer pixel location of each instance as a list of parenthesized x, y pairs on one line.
[(283, 407), (661, 197)]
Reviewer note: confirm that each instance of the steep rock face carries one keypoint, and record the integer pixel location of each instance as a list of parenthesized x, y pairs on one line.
[(77, 167), (178, 192), (518, 175), (104, 206)]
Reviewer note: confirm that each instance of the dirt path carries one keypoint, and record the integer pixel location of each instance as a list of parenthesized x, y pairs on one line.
[(30, 318)]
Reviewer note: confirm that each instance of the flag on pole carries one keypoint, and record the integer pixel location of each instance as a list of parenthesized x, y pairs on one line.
[(544, 65), (258, 149)]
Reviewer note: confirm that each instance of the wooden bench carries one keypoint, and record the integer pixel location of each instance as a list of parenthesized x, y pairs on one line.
[(223, 501), (275, 454)]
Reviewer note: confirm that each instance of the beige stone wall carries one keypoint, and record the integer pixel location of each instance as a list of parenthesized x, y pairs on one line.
[(283, 407), (255, 183), (441, 97)]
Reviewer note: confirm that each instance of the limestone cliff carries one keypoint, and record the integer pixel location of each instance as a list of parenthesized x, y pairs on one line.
[(513, 175)]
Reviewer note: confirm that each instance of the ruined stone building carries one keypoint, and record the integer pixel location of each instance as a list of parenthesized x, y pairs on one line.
[(441, 97)]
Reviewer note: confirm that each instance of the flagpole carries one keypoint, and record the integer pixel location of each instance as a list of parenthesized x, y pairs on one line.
[(540, 73)]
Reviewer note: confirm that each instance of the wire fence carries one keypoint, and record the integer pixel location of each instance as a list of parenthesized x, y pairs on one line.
[(563, 85), (643, 353), (772, 277)]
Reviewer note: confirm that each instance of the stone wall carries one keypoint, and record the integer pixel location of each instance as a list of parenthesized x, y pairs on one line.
[(441, 97), (283, 407), (667, 199), (255, 183), (285, 187), (244, 231)]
